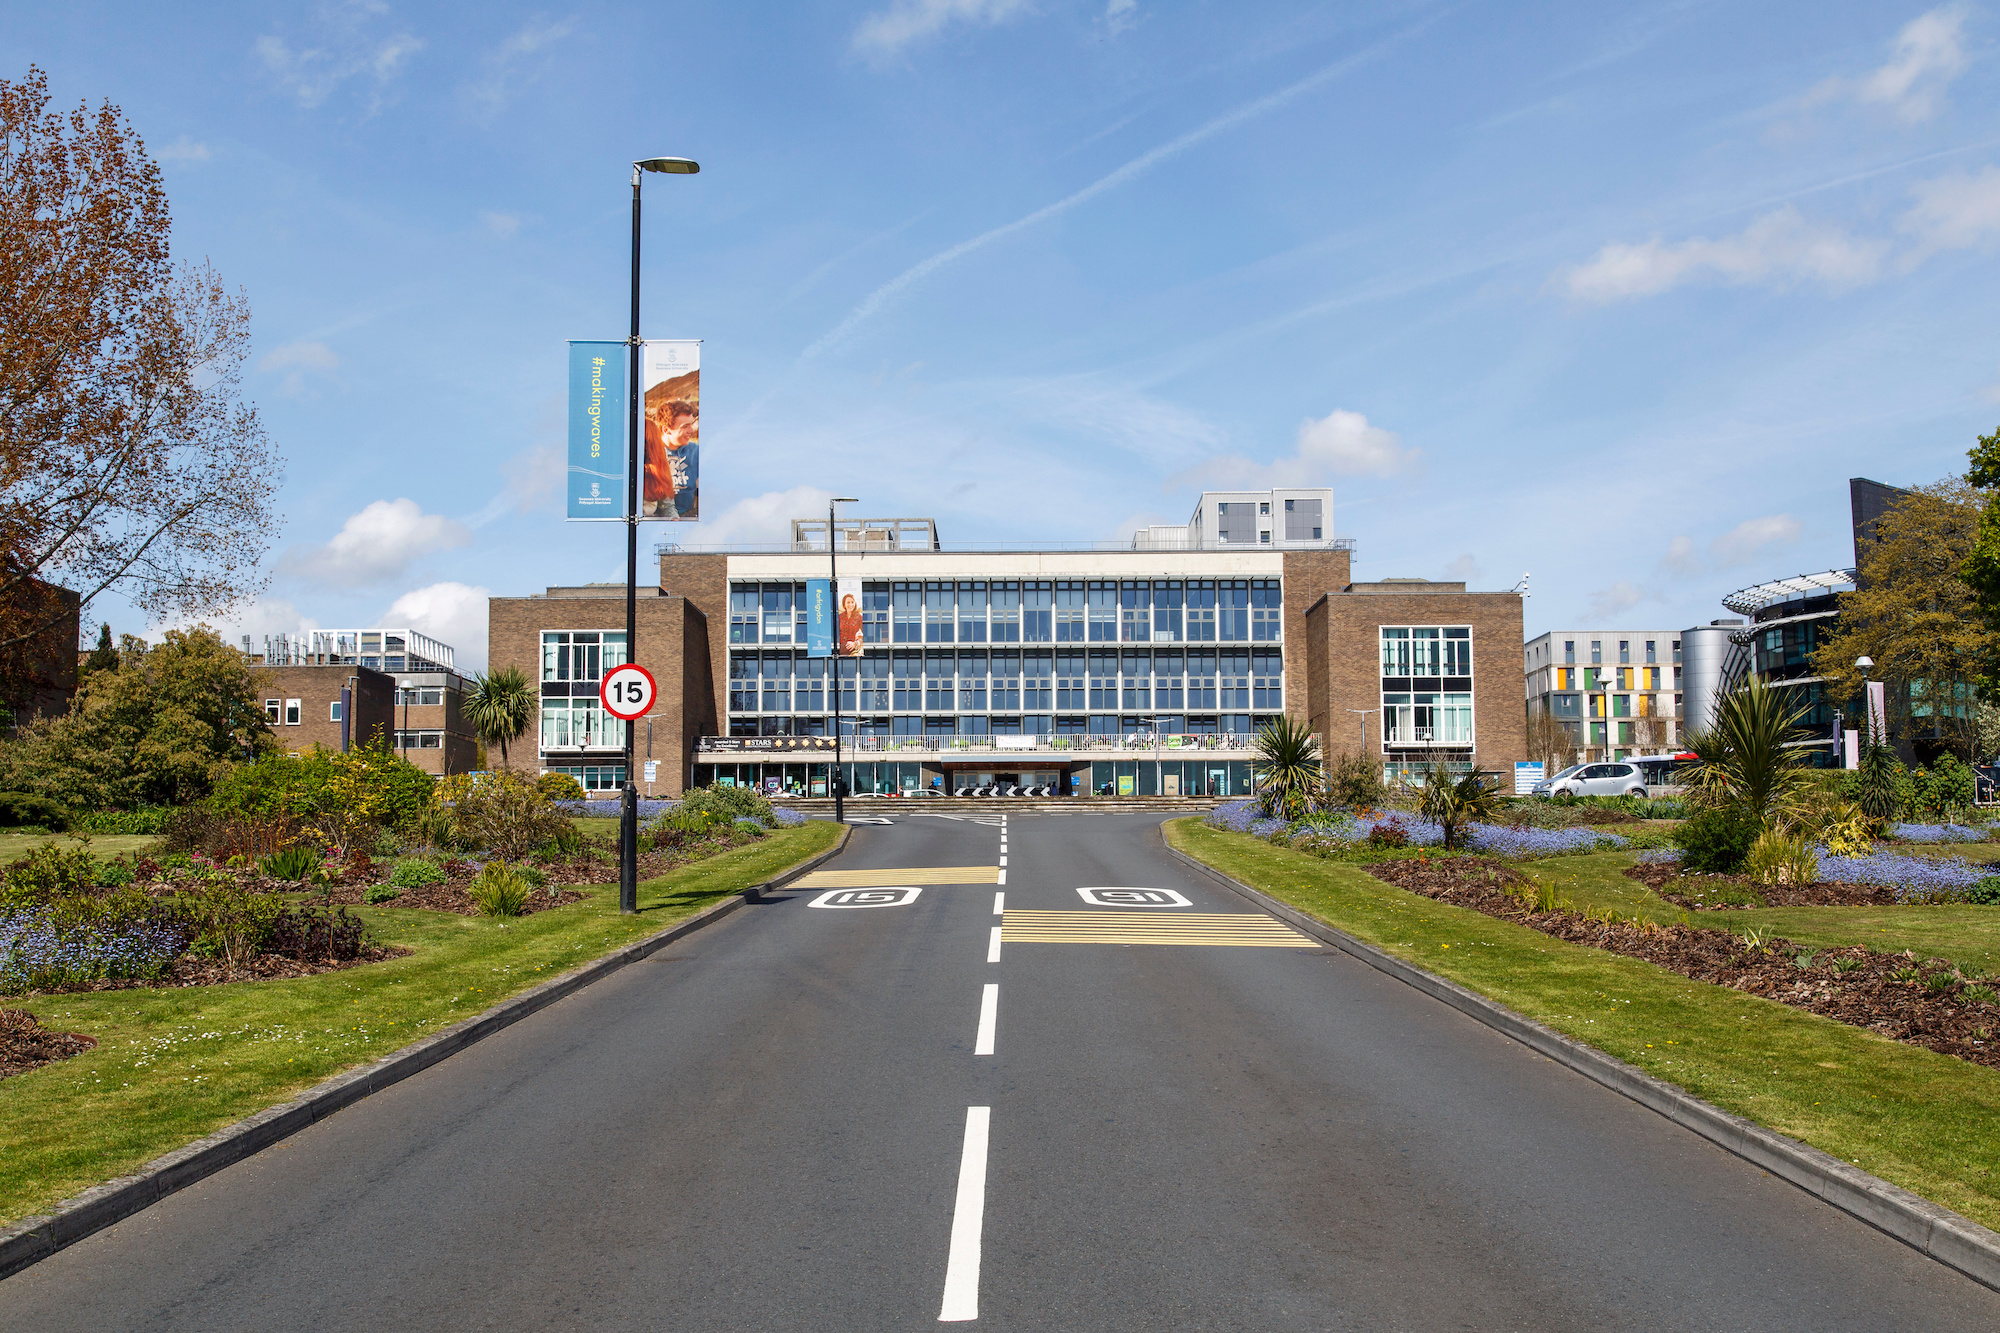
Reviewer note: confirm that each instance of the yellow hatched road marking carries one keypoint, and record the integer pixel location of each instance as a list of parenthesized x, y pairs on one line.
[(859, 879), (1235, 929)]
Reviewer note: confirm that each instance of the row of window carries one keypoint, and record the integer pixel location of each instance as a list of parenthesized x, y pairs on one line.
[(420, 696), (582, 655), (944, 681), (1427, 719), (1592, 679), (1028, 611), (1651, 650), (1027, 724), (1622, 705), (1426, 650), (419, 740)]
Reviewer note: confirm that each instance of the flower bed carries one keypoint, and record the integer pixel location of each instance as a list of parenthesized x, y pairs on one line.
[(1878, 879), (1938, 833), (1927, 1003), (25, 1044), (1347, 835)]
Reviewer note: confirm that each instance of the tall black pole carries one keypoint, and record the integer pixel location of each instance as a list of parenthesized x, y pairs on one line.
[(628, 813), (833, 591)]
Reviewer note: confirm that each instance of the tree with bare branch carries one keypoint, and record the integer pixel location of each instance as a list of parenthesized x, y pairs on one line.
[(128, 460)]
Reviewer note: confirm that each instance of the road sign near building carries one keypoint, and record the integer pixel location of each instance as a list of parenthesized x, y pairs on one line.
[(627, 692)]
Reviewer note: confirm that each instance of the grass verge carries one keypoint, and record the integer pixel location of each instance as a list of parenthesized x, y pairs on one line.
[(1908, 1115), (173, 1065), (14, 846)]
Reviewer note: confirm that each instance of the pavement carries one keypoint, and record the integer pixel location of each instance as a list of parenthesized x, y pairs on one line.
[(1146, 1108)]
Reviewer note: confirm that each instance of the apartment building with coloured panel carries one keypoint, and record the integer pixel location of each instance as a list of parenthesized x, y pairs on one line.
[(1615, 692), (1087, 669)]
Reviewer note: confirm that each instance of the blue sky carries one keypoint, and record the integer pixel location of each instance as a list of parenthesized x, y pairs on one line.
[(1618, 295)]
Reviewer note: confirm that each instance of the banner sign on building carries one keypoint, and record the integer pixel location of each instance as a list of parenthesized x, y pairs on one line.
[(670, 377), (596, 483), (819, 618), (850, 618)]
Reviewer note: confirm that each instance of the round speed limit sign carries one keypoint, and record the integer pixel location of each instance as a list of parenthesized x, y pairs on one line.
[(627, 692)]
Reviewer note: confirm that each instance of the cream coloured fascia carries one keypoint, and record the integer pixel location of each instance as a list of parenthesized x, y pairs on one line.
[(916, 565)]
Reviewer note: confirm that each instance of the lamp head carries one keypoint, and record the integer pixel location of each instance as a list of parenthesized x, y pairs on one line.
[(1865, 663), (672, 166)]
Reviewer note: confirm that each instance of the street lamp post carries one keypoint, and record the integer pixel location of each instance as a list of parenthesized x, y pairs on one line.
[(628, 811), (1364, 712), (834, 784)]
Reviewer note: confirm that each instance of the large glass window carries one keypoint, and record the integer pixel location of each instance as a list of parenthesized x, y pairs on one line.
[(1266, 610), (1037, 612), (809, 684), (907, 681), (777, 613), (1458, 651), (972, 597), (1425, 659), (1167, 608), (1006, 687), (1103, 680), (1232, 610), (1135, 600), (1103, 611), (1137, 678), (777, 675), (1169, 664), (579, 724), (1006, 612), (1069, 611), (906, 610), (875, 613), (1201, 680), (743, 613), (1233, 684), (1072, 695), (1038, 675), (1267, 675), (743, 683), (581, 655), (940, 682), (940, 612), (872, 673), (972, 681)]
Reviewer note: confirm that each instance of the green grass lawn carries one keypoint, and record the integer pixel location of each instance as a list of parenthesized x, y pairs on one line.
[(14, 845), (1982, 852), (1909, 1115), (173, 1065)]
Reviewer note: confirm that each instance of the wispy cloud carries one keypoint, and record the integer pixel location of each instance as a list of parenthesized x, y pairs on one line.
[(1955, 212), (182, 149), (1131, 171), (1340, 444), (1121, 16), (348, 45), (1754, 541), (503, 69), (378, 543), (1923, 60), (297, 360), (1781, 247), (887, 33), (503, 225)]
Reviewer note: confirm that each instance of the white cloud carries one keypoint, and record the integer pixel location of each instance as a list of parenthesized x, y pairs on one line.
[(1607, 604), (1955, 212), (453, 613), (1751, 538), (1121, 15), (182, 149), (377, 544), (1923, 60), (1462, 569), (764, 518), (1778, 248), (503, 225), (297, 360), (885, 34), (1340, 444), (1681, 558), (535, 477), (266, 615), (343, 50), (500, 71)]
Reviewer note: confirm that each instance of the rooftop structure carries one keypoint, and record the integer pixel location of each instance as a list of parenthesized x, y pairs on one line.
[(378, 649)]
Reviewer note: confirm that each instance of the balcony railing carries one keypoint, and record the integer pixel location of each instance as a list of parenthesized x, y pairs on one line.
[(1008, 745)]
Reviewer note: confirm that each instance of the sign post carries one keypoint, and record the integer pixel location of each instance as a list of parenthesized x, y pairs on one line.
[(627, 693)]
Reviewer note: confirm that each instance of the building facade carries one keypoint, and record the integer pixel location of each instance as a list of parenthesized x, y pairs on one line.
[(1131, 670), (1615, 693), (343, 688)]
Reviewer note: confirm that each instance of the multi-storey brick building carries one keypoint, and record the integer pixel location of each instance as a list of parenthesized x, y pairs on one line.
[(1139, 669), (343, 688)]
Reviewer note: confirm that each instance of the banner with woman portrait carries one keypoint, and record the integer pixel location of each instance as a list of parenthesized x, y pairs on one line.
[(670, 480), (847, 642)]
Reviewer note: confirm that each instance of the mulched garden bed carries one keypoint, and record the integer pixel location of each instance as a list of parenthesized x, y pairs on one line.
[(1698, 893), (450, 896), (25, 1044), (188, 970), (1864, 994)]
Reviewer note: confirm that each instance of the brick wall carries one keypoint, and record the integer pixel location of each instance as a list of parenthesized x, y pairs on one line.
[(1309, 576), (317, 688), (1344, 663)]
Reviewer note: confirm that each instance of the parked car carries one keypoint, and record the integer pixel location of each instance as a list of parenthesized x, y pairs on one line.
[(1618, 779)]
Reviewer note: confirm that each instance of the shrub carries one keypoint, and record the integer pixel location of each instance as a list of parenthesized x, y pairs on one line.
[(1716, 840), (537, 878), (1454, 802), (381, 893), (1946, 786), (48, 872), (342, 793), (500, 890), (727, 803), (19, 808), (1781, 858), (317, 934), (1986, 892), (415, 873), (559, 787), (503, 813), (566, 843), (115, 874), (1354, 781), (146, 821), (1391, 832), (294, 863), (228, 922)]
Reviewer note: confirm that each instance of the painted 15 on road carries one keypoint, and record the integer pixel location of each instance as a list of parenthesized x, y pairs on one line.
[(627, 691)]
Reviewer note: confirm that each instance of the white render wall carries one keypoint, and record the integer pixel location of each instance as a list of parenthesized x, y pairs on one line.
[(909, 565)]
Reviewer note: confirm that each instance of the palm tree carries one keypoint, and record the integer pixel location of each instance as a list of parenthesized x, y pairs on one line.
[(501, 707), (1453, 802), (1744, 761), (1289, 774)]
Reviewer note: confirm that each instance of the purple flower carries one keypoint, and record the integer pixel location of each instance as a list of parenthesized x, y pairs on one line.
[(1916, 879), (1936, 833)]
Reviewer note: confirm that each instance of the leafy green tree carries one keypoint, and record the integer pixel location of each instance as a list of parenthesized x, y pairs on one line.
[(1290, 777), (163, 727), (104, 657), (501, 707)]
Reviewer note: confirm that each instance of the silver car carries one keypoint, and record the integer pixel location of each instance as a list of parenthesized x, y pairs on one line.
[(1613, 779)]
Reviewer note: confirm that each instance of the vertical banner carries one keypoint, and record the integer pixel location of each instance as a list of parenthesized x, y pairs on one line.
[(848, 599), (670, 378), (596, 483), (1878, 714), (819, 618)]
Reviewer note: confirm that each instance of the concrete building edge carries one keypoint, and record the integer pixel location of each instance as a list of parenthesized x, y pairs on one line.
[(33, 1239), (1938, 1233)]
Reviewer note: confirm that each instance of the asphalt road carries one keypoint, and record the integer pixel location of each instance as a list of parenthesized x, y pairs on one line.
[(776, 1124)]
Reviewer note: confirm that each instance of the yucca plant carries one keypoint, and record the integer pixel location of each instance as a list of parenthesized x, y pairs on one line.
[(1291, 781), (1744, 759), (1454, 802), (1781, 858), (293, 863), (500, 890)]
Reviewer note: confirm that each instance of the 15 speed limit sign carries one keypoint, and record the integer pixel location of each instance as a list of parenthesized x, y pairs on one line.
[(627, 692)]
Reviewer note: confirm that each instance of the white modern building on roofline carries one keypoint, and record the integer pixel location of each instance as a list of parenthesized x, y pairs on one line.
[(1295, 518)]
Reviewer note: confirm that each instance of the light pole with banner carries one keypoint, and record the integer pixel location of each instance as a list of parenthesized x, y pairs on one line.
[(835, 786), (635, 444)]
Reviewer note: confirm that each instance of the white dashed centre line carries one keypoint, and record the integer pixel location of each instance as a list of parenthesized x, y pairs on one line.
[(968, 1219), (993, 947), (999, 903), (989, 1017)]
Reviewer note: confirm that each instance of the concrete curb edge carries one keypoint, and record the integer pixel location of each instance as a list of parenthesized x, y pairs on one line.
[(36, 1238), (1955, 1241)]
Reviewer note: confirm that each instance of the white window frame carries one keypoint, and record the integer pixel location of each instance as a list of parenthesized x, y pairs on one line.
[(293, 711)]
